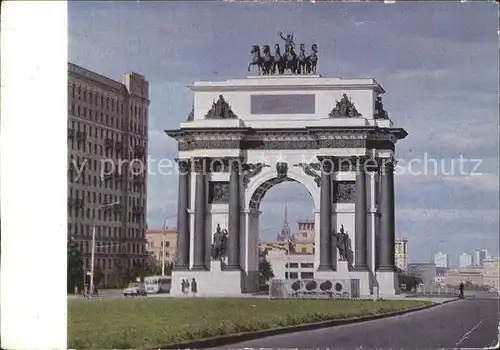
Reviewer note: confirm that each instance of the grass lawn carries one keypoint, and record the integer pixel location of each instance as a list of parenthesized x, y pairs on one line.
[(105, 324)]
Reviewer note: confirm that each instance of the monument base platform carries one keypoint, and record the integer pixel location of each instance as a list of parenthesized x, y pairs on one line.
[(343, 273), (388, 283), (215, 282)]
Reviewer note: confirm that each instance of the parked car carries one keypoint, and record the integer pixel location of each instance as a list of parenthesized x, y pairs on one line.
[(135, 289)]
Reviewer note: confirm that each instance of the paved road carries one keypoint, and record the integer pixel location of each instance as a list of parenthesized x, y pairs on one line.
[(469, 323)]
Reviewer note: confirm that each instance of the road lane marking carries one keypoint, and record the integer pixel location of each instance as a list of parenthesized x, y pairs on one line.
[(466, 335)]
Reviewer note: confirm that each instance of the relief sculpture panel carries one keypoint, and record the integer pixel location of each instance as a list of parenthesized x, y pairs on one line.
[(344, 191), (218, 192)]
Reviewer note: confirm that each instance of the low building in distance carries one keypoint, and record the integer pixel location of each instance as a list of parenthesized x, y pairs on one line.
[(300, 266), (303, 242), (491, 273), (472, 274), (156, 239)]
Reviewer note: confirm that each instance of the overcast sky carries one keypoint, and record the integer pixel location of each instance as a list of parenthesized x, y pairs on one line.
[(437, 61)]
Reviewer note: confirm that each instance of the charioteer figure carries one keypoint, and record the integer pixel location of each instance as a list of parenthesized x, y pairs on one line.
[(289, 44)]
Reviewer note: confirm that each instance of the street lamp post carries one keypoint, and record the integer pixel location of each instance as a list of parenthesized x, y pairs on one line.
[(93, 242), (373, 222), (163, 247)]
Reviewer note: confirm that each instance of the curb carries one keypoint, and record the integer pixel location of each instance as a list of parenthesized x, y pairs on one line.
[(240, 337)]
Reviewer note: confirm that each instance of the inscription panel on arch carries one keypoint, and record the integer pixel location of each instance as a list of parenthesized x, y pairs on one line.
[(283, 104)]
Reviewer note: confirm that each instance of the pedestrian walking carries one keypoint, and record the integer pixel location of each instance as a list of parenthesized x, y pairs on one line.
[(186, 284), (461, 289), (183, 286), (96, 292), (194, 287), (85, 291)]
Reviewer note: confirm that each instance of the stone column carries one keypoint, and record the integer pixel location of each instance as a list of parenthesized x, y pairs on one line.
[(200, 207), (325, 216), (233, 240), (333, 196), (360, 235), (386, 235), (183, 239)]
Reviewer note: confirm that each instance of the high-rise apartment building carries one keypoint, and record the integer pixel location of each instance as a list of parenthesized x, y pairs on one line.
[(485, 253), (464, 260), (401, 253), (107, 163), (478, 256), (441, 260)]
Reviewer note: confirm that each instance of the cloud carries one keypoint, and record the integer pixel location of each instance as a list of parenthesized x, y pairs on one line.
[(484, 182), (446, 215)]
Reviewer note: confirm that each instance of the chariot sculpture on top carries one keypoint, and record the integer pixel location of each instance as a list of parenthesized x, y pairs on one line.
[(288, 62)]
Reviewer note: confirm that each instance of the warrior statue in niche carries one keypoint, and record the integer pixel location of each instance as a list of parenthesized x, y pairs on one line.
[(342, 243), (219, 243)]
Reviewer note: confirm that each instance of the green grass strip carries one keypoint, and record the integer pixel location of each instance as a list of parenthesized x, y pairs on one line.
[(106, 324)]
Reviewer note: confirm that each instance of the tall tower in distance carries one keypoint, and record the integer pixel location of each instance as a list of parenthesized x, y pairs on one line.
[(285, 232), (478, 256), (401, 253), (465, 260)]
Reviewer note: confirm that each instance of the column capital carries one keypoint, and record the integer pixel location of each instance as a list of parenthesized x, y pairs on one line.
[(361, 163), (372, 165), (199, 165), (327, 165), (235, 164), (183, 164), (387, 165)]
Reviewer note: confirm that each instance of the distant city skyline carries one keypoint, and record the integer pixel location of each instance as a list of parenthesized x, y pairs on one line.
[(434, 68)]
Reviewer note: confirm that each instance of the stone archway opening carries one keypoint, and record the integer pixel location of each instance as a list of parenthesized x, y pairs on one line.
[(284, 209)]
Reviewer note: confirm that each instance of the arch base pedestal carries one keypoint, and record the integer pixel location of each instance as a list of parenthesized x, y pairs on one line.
[(343, 273), (215, 282)]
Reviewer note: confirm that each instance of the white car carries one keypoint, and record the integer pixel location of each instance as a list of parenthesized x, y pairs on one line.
[(135, 289)]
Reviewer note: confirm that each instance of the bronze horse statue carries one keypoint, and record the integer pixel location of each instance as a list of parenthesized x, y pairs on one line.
[(312, 60), (267, 60), (289, 61), (256, 59), (303, 63), (279, 64)]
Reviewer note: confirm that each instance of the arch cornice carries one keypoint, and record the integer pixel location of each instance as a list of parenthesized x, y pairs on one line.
[(269, 173)]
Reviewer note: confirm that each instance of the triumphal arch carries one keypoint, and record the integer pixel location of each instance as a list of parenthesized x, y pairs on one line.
[(243, 136)]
